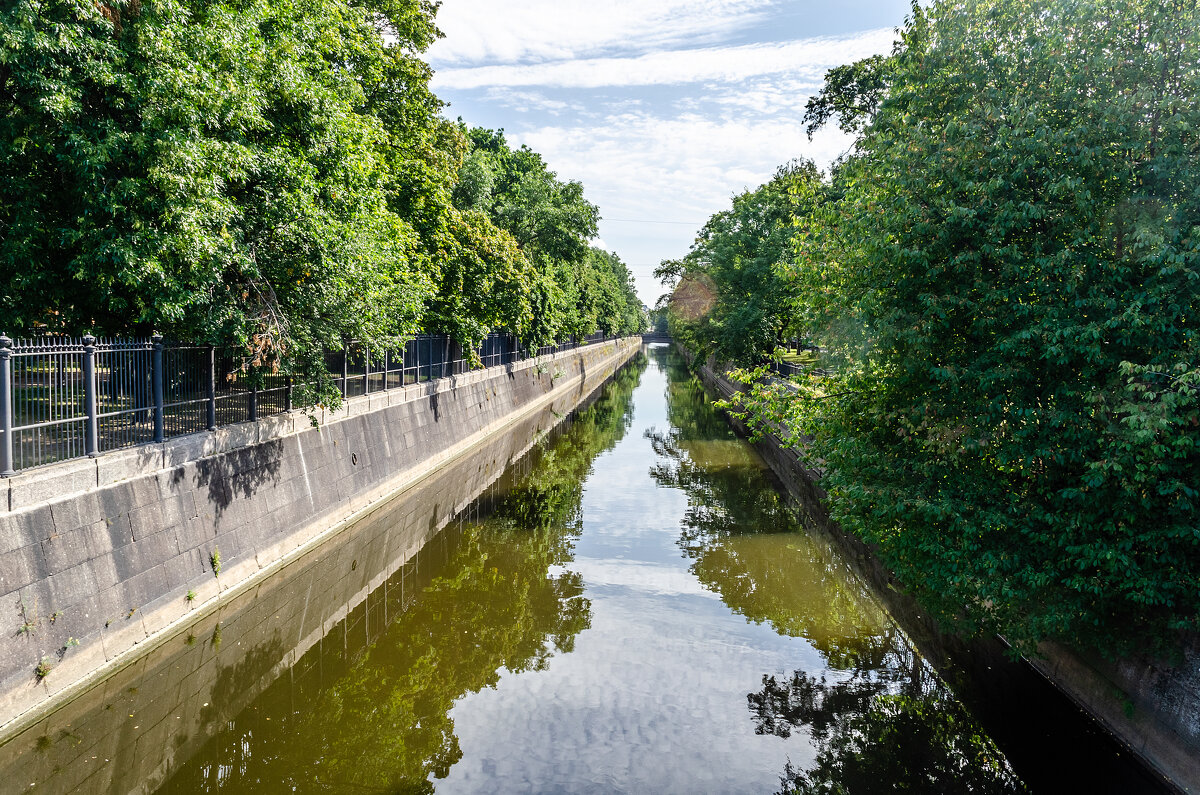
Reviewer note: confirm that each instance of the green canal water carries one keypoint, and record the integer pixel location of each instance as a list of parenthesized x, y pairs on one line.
[(631, 606)]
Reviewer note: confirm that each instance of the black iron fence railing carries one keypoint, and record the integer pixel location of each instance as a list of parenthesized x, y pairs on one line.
[(71, 397), (791, 368)]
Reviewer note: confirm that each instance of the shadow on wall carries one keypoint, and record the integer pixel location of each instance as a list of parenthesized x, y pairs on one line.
[(241, 472)]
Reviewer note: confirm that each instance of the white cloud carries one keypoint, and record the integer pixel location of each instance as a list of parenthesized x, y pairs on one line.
[(647, 168), (525, 101), (805, 58), (637, 576), (638, 165), (540, 30), (765, 95), (659, 108)]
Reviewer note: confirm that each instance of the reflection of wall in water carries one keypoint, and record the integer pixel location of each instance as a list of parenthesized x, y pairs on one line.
[(306, 622), (119, 549)]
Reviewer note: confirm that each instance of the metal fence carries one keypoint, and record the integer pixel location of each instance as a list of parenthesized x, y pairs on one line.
[(70, 397), (787, 369)]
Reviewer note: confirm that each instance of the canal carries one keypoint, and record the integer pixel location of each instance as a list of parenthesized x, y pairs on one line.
[(630, 605)]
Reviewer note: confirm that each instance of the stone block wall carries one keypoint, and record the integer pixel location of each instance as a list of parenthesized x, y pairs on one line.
[(129, 733), (98, 556)]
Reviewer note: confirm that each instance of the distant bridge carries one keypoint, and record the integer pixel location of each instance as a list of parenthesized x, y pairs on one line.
[(655, 336)]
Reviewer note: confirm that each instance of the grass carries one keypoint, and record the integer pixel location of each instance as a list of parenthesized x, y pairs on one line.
[(800, 358)]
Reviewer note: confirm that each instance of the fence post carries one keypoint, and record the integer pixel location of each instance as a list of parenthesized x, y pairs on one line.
[(345, 367), (91, 433), (287, 393), (6, 418), (366, 348), (212, 388), (156, 375), (253, 402)]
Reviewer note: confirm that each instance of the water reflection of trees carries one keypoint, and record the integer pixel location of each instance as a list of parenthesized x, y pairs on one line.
[(881, 734), (881, 719), (551, 493), (746, 544), (501, 600)]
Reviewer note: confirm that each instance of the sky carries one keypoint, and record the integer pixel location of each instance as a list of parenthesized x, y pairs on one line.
[(663, 109)]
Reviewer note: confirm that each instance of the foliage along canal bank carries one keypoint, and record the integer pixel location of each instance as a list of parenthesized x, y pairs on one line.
[(1002, 278), (1152, 705), (989, 310), (91, 572), (275, 179)]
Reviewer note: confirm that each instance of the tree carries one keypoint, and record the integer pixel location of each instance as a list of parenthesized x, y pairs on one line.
[(851, 94), (737, 252), (549, 221), (272, 177), (1010, 284), (573, 289), (214, 171)]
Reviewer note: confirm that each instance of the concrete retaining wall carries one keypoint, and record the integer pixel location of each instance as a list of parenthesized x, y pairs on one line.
[(302, 624), (1151, 706), (98, 556)]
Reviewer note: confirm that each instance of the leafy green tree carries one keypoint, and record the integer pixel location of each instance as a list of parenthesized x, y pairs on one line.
[(851, 94), (548, 219), (612, 295), (736, 254), (271, 176), (658, 320), (573, 288), (217, 171), (1010, 288)]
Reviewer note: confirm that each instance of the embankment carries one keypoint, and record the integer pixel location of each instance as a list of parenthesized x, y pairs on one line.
[(298, 631), (100, 559), (1151, 706)]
